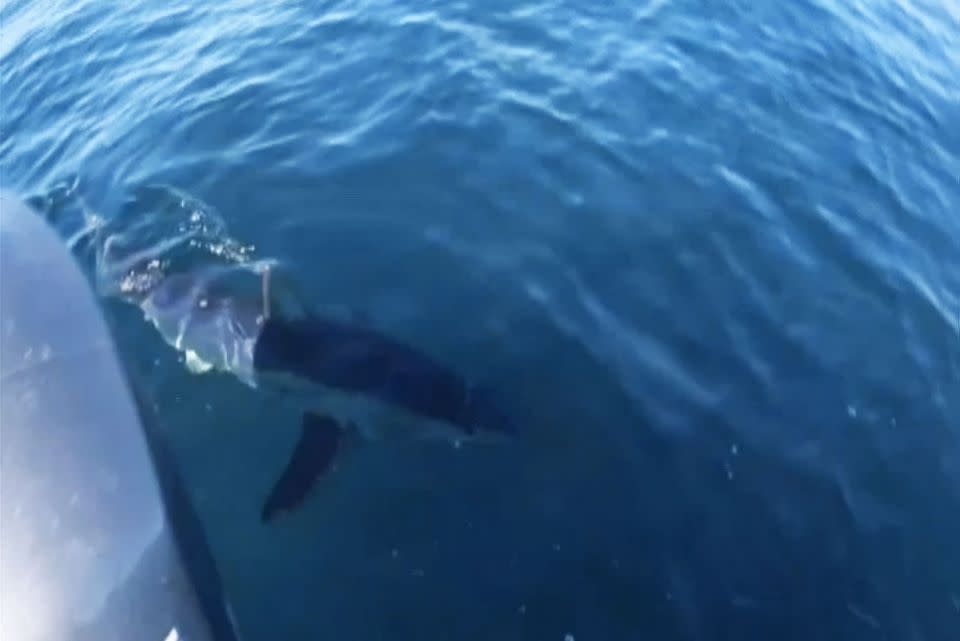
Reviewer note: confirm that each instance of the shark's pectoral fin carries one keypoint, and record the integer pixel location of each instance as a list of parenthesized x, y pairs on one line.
[(313, 455)]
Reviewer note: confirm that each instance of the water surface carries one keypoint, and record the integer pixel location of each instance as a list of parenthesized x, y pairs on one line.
[(709, 252)]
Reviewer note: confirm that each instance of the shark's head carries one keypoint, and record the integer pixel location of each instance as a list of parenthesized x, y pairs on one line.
[(213, 323)]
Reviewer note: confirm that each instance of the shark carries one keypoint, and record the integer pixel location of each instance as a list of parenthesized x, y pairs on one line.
[(244, 332)]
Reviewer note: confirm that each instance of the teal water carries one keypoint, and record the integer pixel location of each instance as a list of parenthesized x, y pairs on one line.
[(708, 253)]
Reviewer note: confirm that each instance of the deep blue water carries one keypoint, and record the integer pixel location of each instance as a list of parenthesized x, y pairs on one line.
[(708, 252)]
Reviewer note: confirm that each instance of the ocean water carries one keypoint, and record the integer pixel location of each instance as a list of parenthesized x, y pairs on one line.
[(707, 252)]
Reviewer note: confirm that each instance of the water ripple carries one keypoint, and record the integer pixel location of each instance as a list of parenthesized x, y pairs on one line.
[(712, 248)]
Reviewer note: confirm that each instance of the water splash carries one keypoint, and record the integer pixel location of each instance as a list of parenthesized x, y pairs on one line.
[(159, 231), (65, 206), (171, 254)]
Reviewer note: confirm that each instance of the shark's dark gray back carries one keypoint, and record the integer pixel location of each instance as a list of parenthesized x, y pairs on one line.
[(357, 359)]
